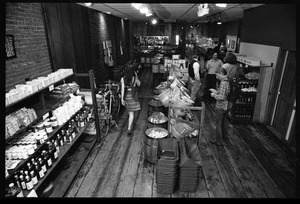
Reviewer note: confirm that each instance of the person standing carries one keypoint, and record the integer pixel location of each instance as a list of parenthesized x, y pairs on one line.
[(221, 108), (212, 67), (194, 77), (129, 94), (232, 69)]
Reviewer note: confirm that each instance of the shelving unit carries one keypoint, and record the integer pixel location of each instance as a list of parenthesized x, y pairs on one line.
[(243, 109), (42, 108)]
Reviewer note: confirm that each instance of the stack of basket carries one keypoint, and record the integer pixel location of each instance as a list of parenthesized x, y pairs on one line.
[(189, 167), (167, 165)]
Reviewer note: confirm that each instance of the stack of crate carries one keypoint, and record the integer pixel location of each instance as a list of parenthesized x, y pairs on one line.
[(167, 165)]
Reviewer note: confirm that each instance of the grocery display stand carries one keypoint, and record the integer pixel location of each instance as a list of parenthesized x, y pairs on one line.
[(243, 109), (42, 109)]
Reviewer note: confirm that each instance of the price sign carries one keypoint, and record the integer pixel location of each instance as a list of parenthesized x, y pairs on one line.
[(45, 116), (51, 87)]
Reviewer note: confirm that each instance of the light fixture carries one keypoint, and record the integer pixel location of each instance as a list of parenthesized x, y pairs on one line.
[(202, 10), (148, 14), (144, 9), (221, 5), (88, 4), (219, 22), (137, 5), (108, 12), (154, 21)]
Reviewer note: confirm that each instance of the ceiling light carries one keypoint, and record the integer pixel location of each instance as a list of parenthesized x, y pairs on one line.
[(144, 9), (125, 18), (221, 5), (154, 21), (88, 4), (219, 23), (108, 12), (136, 5), (148, 14)]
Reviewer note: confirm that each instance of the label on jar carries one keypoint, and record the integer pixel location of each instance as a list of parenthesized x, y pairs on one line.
[(49, 129), (44, 168), (73, 135), (49, 161), (41, 173), (61, 142), (29, 185), (56, 154), (34, 180), (23, 184)]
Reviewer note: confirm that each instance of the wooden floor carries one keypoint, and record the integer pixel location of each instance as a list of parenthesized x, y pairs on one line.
[(254, 165)]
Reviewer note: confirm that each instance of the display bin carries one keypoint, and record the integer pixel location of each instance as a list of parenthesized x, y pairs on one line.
[(155, 68)]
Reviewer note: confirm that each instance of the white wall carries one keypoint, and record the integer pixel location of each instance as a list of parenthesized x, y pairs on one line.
[(267, 54)]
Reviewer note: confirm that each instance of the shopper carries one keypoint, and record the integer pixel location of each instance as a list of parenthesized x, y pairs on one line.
[(129, 94), (231, 66), (194, 71), (222, 52), (221, 108), (212, 67)]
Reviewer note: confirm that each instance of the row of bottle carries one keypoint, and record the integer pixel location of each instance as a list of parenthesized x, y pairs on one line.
[(247, 99), (34, 169), (246, 84)]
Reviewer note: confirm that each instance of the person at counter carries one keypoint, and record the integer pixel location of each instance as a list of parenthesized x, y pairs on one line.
[(212, 67)]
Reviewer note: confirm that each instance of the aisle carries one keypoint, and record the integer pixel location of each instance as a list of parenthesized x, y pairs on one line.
[(252, 166)]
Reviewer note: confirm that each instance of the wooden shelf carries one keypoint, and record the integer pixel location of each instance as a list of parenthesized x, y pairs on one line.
[(37, 92), (23, 161), (62, 152)]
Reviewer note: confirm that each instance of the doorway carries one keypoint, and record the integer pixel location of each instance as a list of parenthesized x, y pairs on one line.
[(283, 116)]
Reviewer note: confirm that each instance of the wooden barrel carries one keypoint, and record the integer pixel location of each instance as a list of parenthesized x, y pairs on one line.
[(151, 145), (157, 119), (155, 106)]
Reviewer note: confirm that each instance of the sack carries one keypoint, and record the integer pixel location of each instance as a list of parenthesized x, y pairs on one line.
[(235, 90)]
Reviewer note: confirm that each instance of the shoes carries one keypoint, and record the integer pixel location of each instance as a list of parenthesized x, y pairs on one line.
[(216, 143)]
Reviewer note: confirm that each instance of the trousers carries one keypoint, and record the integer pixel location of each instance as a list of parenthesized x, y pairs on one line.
[(221, 125)]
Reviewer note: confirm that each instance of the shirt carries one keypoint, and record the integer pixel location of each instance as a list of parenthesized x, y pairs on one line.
[(213, 66), (222, 92), (232, 70)]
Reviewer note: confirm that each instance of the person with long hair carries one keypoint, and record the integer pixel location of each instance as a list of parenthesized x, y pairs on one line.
[(231, 66), (129, 94)]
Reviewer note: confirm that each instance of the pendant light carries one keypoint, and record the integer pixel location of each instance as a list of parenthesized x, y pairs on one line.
[(221, 5)]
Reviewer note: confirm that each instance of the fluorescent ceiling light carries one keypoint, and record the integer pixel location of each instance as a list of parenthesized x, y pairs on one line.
[(219, 23), (221, 5), (136, 5), (148, 14), (88, 4), (144, 10)]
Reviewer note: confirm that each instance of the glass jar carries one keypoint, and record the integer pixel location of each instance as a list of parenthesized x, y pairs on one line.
[(40, 127), (48, 127), (53, 122)]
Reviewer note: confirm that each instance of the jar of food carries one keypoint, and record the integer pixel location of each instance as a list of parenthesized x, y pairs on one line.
[(29, 149), (48, 127), (40, 127), (53, 122), (44, 136)]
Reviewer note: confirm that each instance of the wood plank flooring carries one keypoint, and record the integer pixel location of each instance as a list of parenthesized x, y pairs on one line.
[(252, 165)]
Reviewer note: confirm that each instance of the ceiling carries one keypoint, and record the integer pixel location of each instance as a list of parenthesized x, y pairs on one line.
[(173, 12)]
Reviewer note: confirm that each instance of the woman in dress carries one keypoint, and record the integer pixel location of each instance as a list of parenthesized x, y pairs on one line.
[(129, 94)]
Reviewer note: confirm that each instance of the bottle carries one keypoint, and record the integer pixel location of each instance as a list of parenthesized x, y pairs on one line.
[(52, 151), (55, 144), (17, 180), (42, 164), (39, 171), (47, 159), (29, 167), (22, 181), (64, 136), (33, 177), (72, 131), (68, 137), (60, 140), (14, 191), (75, 126), (28, 181)]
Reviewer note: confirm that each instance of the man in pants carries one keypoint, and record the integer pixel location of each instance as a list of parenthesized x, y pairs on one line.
[(194, 77)]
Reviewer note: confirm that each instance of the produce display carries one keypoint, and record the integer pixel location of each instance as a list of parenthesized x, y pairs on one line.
[(250, 89), (252, 76), (157, 134)]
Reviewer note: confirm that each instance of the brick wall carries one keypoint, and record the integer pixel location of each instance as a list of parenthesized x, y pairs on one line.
[(25, 21)]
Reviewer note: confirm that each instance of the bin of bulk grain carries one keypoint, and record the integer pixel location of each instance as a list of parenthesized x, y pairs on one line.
[(157, 119), (152, 136)]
